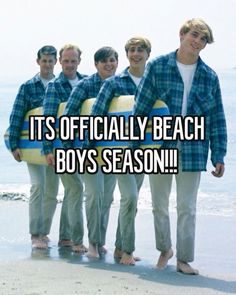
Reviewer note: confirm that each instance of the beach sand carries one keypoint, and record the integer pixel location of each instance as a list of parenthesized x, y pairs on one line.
[(58, 271)]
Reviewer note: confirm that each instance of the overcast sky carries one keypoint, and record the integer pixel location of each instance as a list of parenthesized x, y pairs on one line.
[(27, 25)]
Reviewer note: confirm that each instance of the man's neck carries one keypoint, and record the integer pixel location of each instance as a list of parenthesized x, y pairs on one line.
[(137, 72), (46, 77), (186, 58)]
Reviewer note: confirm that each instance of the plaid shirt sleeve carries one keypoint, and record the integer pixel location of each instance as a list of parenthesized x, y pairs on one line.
[(103, 99), (73, 106), (77, 97), (218, 132), (100, 107), (19, 110), (144, 99), (50, 108)]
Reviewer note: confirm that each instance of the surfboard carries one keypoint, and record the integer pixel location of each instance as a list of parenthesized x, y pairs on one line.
[(120, 106)]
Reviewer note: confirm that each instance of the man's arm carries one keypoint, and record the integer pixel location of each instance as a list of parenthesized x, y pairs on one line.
[(218, 131), (73, 106), (50, 108), (100, 108), (145, 98), (17, 117)]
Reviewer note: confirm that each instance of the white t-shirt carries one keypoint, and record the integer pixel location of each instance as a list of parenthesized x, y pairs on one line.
[(45, 81), (73, 82), (135, 79), (187, 74)]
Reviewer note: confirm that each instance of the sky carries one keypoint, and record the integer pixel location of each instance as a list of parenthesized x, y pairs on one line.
[(27, 25)]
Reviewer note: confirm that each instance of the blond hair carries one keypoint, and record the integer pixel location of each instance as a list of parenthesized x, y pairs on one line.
[(141, 41), (68, 47), (199, 25)]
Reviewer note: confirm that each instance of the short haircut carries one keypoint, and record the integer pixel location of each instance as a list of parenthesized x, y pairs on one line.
[(140, 41), (68, 47), (199, 25), (103, 53), (47, 50)]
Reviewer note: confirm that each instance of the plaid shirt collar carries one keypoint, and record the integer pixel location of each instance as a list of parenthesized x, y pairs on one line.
[(36, 79), (63, 79), (125, 73), (97, 78), (173, 58)]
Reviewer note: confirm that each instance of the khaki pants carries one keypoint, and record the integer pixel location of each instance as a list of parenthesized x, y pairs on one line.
[(139, 181), (99, 188), (74, 199), (125, 239), (187, 184), (44, 186), (50, 203)]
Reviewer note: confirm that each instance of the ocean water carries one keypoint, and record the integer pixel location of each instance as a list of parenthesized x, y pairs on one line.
[(216, 196)]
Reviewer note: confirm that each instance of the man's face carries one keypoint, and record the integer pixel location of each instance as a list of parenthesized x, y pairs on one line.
[(193, 42), (107, 68), (69, 61), (137, 56), (46, 63)]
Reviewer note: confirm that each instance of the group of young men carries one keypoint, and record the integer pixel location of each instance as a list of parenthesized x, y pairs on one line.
[(188, 87)]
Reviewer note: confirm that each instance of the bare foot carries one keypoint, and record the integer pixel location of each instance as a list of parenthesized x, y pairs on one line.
[(92, 251), (185, 268), (163, 258), (45, 238), (127, 259), (38, 243), (102, 250), (65, 243), (79, 249), (118, 255)]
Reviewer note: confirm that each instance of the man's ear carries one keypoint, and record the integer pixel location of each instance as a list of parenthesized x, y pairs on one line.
[(181, 35)]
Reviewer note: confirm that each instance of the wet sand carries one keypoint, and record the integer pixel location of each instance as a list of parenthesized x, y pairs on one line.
[(58, 271)]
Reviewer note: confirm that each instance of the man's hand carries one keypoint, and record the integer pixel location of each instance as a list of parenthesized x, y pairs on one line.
[(17, 155), (219, 170), (50, 159)]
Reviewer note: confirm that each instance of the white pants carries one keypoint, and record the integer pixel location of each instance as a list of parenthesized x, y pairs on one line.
[(187, 184)]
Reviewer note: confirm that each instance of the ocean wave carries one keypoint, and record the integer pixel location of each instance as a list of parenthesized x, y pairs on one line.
[(12, 196), (208, 203)]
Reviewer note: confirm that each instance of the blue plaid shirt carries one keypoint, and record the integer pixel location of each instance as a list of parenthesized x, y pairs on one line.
[(118, 85), (87, 88), (115, 86), (57, 91), (162, 80), (30, 95)]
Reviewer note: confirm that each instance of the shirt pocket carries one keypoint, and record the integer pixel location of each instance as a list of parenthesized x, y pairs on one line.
[(36, 101), (202, 104)]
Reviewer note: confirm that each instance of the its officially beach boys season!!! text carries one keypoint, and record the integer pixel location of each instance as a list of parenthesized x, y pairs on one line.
[(118, 157)]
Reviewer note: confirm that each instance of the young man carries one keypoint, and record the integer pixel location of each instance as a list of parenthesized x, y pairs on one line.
[(99, 188), (58, 91), (190, 88), (44, 182), (137, 50)]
